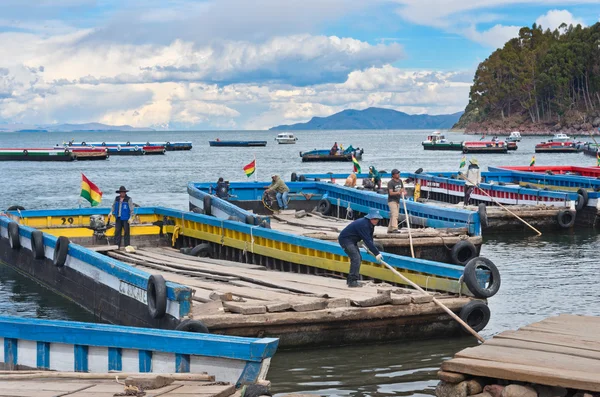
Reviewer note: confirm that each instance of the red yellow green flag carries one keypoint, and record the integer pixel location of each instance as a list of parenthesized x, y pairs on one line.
[(532, 162), (250, 168), (90, 191), (356, 165), (598, 157)]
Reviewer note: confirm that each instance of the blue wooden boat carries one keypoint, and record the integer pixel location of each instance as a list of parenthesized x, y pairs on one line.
[(99, 348), (325, 155), (168, 146), (237, 143)]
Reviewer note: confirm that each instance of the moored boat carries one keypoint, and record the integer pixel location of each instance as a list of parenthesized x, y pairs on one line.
[(484, 147), (35, 154), (325, 155), (286, 138), (168, 146), (87, 153), (437, 141), (219, 142), (511, 145), (593, 172), (591, 149), (514, 136), (560, 143)]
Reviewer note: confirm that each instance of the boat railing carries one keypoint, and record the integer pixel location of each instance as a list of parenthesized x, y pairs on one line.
[(129, 280), (86, 347), (556, 182)]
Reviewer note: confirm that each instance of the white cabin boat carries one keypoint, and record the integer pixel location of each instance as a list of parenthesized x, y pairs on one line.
[(286, 138), (515, 136), (560, 137)]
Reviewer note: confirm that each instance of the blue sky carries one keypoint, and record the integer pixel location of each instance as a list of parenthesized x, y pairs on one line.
[(238, 64)]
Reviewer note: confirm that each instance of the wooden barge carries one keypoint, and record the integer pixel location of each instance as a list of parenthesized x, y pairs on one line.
[(485, 147), (457, 241), (87, 350), (35, 154), (168, 146), (238, 143), (558, 356), (228, 290)]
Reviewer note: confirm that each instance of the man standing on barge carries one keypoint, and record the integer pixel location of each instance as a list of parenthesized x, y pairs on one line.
[(395, 191), (360, 229), (122, 210)]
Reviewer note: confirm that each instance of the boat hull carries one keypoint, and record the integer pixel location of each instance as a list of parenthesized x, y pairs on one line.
[(326, 158), (45, 156), (238, 143), (559, 149), (286, 142), (442, 146), (485, 149)]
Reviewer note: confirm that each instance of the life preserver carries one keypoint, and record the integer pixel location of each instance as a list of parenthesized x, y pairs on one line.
[(462, 252), (207, 202), (157, 296), (483, 218), (470, 277), (324, 206), (60, 251), (476, 314), (37, 245), (565, 218), (13, 235), (202, 250), (192, 326)]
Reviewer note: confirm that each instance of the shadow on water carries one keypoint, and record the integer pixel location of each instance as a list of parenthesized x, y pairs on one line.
[(400, 368), (22, 297)]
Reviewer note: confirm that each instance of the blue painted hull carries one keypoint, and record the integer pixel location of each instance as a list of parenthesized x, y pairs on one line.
[(238, 143), (169, 146)]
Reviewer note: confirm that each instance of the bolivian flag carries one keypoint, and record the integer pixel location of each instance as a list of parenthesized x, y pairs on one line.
[(250, 168), (90, 192), (463, 162), (598, 157), (356, 165), (532, 162)]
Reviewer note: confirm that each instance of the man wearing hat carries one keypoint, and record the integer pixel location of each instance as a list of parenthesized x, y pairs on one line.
[(473, 178), (281, 190), (122, 210), (395, 191), (360, 229)]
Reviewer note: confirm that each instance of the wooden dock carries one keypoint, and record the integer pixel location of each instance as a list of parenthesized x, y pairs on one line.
[(562, 351), (48, 384), (247, 300)]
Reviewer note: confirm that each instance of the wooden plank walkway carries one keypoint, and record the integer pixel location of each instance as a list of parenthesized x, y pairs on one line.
[(558, 351)]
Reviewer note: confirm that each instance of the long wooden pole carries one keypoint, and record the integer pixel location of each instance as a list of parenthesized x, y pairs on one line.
[(437, 302), (412, 250), (500, 205)]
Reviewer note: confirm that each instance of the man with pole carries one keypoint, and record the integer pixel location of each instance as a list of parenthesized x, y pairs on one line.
[(395, 190)]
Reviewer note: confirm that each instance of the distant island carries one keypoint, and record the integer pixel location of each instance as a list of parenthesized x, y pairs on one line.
[(87, 127), (374, 119), (540, 82)]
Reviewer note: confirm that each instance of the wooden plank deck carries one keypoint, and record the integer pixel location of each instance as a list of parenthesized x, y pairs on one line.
[(74, 387), (558, 351)]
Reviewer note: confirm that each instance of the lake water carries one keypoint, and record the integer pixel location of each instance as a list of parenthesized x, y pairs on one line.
[(541, 276)]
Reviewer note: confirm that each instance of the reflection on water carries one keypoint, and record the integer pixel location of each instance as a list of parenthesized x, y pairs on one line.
[(541, 276)]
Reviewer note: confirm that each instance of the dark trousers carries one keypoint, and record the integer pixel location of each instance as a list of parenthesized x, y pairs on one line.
[(468, 191), (355, 259), (121, 225)]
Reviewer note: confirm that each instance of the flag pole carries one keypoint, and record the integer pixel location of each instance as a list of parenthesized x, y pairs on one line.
[(255, 170)]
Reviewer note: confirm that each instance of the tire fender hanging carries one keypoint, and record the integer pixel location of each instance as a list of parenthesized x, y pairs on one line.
[(202, 250), (157, 296), (483, 218), (462, 252), (37, 245), (192, 326), (470, 277), (476, 314), (324, 206), (60, 251), (207, 202), (13, 235), (565, 218)]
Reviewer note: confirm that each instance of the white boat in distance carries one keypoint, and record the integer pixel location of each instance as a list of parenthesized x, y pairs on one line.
[(515, 136), (286, 138)]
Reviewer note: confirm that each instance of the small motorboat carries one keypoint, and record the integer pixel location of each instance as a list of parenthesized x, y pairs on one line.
[(514, 136), (484, 147), (286, 138), (218, 142), (437, 141), (560, 143), (325, 155)]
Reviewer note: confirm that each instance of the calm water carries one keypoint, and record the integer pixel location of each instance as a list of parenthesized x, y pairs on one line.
[(541, 276)]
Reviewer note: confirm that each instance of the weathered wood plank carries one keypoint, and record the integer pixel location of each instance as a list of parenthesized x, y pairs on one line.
[(178, 255), (536, 346), (379, 299), (244, 308), (549, 338)]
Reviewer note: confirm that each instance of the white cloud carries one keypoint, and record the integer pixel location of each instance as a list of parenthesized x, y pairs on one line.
[(554, 18), (494, 37)]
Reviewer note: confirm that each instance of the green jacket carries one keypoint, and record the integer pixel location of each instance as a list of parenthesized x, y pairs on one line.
[(279, 186)]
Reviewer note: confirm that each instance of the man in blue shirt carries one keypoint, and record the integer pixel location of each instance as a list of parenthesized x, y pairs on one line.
[(122, 210), (360, 230)]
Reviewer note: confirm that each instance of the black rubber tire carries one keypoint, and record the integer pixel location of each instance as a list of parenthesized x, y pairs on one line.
[(264, 223), (483, 218), (324, 206), (302, 178), (127, 143), (579, 203), (462, 252), (528, 186), (501, 183), (157, 296), (13, 235), (25, 152), (470, 277), (103, 143), (37, 245), (16, 208), (250, 220), (60, 251), (198, 210), (207, 201), (583, 193), (382, 191), (294, 177), (418, 171), (185, 250), (192, 326), (379, 246), (476, 314), (565, 218), (83, 143), (202, 250)]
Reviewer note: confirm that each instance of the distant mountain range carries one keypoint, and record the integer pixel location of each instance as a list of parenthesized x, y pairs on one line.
[(375, 119), (87, 127)]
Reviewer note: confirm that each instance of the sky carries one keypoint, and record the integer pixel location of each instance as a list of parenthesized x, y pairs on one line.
[(250, 64)]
